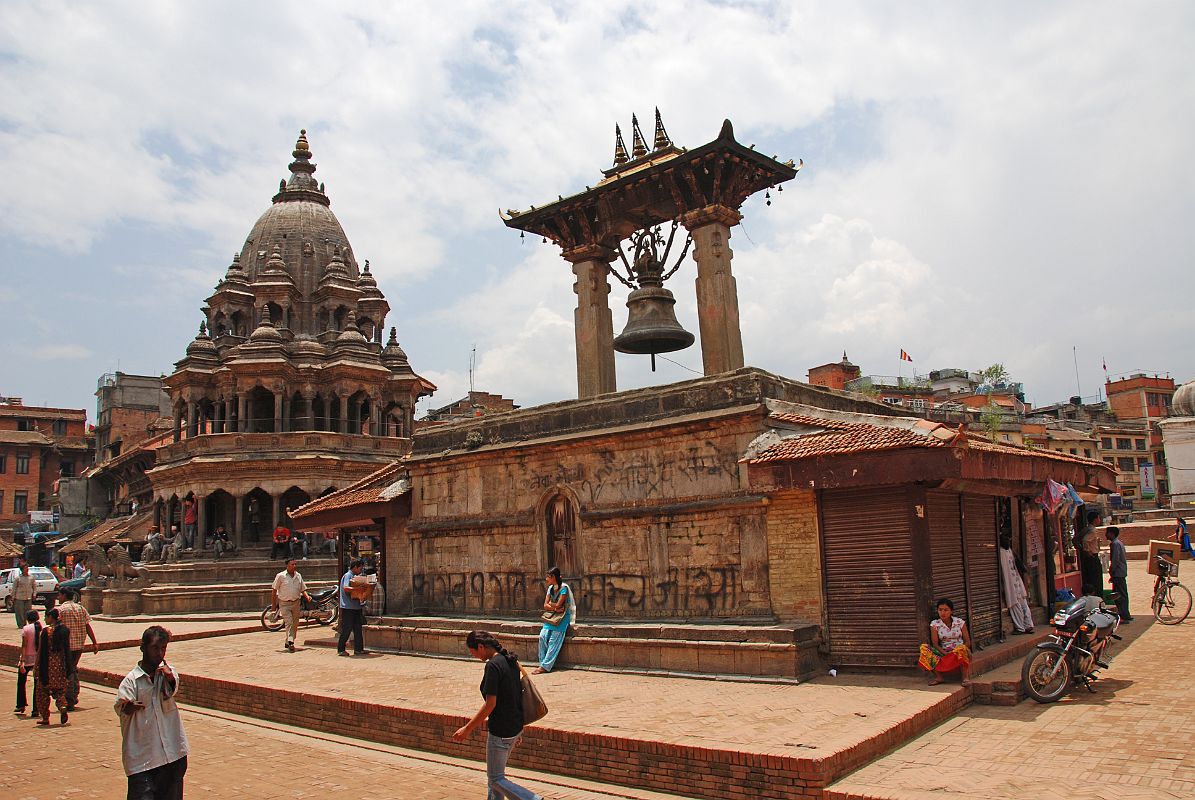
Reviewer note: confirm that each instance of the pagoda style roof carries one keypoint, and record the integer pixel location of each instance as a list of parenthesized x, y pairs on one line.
[(648, 188)]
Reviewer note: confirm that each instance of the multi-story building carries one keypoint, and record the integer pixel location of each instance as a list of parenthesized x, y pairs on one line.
[(914, 394), (1076, 441), (1147, 399), (130, 409), (474, 404), (1125, 446), (38, 446), (835, 375)]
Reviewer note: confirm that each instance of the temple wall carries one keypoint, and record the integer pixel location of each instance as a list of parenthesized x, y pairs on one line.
[(664, 527)]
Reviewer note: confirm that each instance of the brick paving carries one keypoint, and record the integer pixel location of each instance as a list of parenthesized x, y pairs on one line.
[(1134, 738), (240, 757)]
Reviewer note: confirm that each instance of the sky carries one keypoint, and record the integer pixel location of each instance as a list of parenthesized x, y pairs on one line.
[(1000, 182)]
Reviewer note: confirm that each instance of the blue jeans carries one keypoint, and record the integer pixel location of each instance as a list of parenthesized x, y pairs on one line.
[(497, 753)]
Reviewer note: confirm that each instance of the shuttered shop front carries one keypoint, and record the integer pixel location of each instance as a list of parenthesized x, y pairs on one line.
[(983, 581), (946, 546), (870, 592)]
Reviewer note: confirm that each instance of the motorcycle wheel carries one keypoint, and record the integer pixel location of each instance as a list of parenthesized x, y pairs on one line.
[(1035, 675), (328, 614), (272, 620), (1174, 605)]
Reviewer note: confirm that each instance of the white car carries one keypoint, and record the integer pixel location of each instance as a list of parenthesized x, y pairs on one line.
[(47, 584)]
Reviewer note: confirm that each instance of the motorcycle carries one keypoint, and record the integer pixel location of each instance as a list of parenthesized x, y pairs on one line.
[(1073, 654), (324, 608)]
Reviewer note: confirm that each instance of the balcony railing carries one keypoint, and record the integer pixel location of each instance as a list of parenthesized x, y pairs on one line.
[(282, 443)]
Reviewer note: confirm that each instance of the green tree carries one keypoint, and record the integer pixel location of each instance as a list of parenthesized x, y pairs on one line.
[(994, 375)]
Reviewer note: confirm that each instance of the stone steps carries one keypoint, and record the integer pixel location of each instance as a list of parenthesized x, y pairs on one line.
[(775, 651), (235, 570)]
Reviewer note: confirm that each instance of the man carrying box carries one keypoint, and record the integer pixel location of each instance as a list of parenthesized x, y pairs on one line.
[(351, 613)]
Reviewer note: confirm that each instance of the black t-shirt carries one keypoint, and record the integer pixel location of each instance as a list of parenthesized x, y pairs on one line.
[(502, 680)]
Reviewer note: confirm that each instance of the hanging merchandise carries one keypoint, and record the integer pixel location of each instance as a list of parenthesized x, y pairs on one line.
[(1053, 495)]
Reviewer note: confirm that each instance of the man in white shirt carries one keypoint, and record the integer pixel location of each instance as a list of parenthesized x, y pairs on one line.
[(24, 588), (153, 743), (288, 589)]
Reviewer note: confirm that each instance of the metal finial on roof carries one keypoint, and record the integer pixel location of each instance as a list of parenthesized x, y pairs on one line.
[(620, 147), (302, 143), (638, 146), (662, 139), (367, 266)]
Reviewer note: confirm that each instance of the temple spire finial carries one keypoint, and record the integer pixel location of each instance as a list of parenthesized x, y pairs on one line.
[(662, 139), (620, 148), (638, 145)]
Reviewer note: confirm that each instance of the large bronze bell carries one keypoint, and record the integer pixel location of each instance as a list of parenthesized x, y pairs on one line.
[(651, 324)]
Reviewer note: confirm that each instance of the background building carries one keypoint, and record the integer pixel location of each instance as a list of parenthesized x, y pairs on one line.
[(38, 446)]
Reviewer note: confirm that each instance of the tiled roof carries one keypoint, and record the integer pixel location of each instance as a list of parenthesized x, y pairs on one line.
[(10, 550), (375, 487), (129, 528), (831, 437), (24, 437)]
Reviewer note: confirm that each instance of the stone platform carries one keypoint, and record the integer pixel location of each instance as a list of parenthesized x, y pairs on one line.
[(702, 738), (722, 649)]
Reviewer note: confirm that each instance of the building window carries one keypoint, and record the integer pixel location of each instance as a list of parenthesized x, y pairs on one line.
[(22, 464), (3, 463), (1087, 452), (24, 425), (1109, 460), (918, 404), (1140, 444), (1106, 442), (1074, 452), (1128, 491), (66, 469), (1124, 444), (1125, 465), (20, 502), (1142, 462), (892, 401), (1159, 459), (60, 427)]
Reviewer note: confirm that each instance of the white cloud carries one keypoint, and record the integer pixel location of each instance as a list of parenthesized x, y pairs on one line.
[(982, 185), (61, 352)]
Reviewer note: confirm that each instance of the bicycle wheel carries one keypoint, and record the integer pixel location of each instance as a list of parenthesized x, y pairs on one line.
[(1172, 604)]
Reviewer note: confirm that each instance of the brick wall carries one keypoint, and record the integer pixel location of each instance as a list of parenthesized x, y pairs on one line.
[(794, 556), (11, 482)]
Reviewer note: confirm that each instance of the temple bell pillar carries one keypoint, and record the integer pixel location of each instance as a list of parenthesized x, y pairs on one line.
[(717, 291), (592, 322)]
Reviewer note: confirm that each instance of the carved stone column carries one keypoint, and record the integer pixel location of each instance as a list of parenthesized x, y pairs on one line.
[(309, 401), (200, 522), (242, 412), (717, 292), (192, 419), (278, 397), (178, 422), (592, 323), (239, 524)]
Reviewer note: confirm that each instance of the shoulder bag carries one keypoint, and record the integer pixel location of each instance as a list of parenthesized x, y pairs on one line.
[(534, 707), (554, 617)]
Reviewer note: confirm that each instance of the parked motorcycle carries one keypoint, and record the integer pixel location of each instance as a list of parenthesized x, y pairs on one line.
[(324, 608), (1073, 654)]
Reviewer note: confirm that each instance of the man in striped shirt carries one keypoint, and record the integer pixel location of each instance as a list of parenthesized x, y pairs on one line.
[(78, 622)]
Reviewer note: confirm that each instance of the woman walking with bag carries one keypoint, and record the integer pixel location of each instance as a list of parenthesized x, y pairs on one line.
[(560, 611), (54, 666), (502, 689)]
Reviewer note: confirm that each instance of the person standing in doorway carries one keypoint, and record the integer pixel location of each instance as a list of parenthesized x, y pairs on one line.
[(190, 523), (24, 588), (352, 615), (1087, 542), (502, 710), (559, 613), (1015, 596), (254, 517), (153, 744), (1118, 571), (285, 595), (78, 622)]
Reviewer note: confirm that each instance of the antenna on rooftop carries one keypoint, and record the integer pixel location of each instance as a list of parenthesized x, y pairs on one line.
[(472, 368)]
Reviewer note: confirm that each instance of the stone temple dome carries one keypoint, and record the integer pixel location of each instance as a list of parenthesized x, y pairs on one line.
[(1183, 403)]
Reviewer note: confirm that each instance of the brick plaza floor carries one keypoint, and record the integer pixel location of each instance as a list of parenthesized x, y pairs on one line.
[(1131, 740), (236, 757)]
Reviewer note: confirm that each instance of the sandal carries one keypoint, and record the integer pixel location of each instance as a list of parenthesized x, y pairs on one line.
[(935, 681)]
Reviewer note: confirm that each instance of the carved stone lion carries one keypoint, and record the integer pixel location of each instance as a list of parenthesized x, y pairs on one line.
[(115, 563)]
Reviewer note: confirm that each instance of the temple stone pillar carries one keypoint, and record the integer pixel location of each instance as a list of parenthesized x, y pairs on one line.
[(192, 419), (309, 402), (178, 422), (239, 524), (278, 412), (242, 412), (342, 407), (717, 292), (592, 323), (200, 521), (276, 500)]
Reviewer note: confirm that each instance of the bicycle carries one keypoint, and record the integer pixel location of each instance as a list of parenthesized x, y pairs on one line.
[(1171, 600)]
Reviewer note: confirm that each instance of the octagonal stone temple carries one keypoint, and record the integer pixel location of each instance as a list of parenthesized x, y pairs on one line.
[(288, 390)]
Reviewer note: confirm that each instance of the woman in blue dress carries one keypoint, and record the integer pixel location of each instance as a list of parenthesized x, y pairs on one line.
[(558, 599)]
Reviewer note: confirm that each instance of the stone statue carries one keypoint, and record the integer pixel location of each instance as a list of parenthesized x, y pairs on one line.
[(115, 563)]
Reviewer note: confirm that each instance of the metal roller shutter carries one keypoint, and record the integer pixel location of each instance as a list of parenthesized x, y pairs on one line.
[(983, 580), (870, 592), (946, 546)]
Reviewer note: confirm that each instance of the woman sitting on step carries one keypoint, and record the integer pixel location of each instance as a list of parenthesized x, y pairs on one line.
[(560, 611), (950, 645)]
